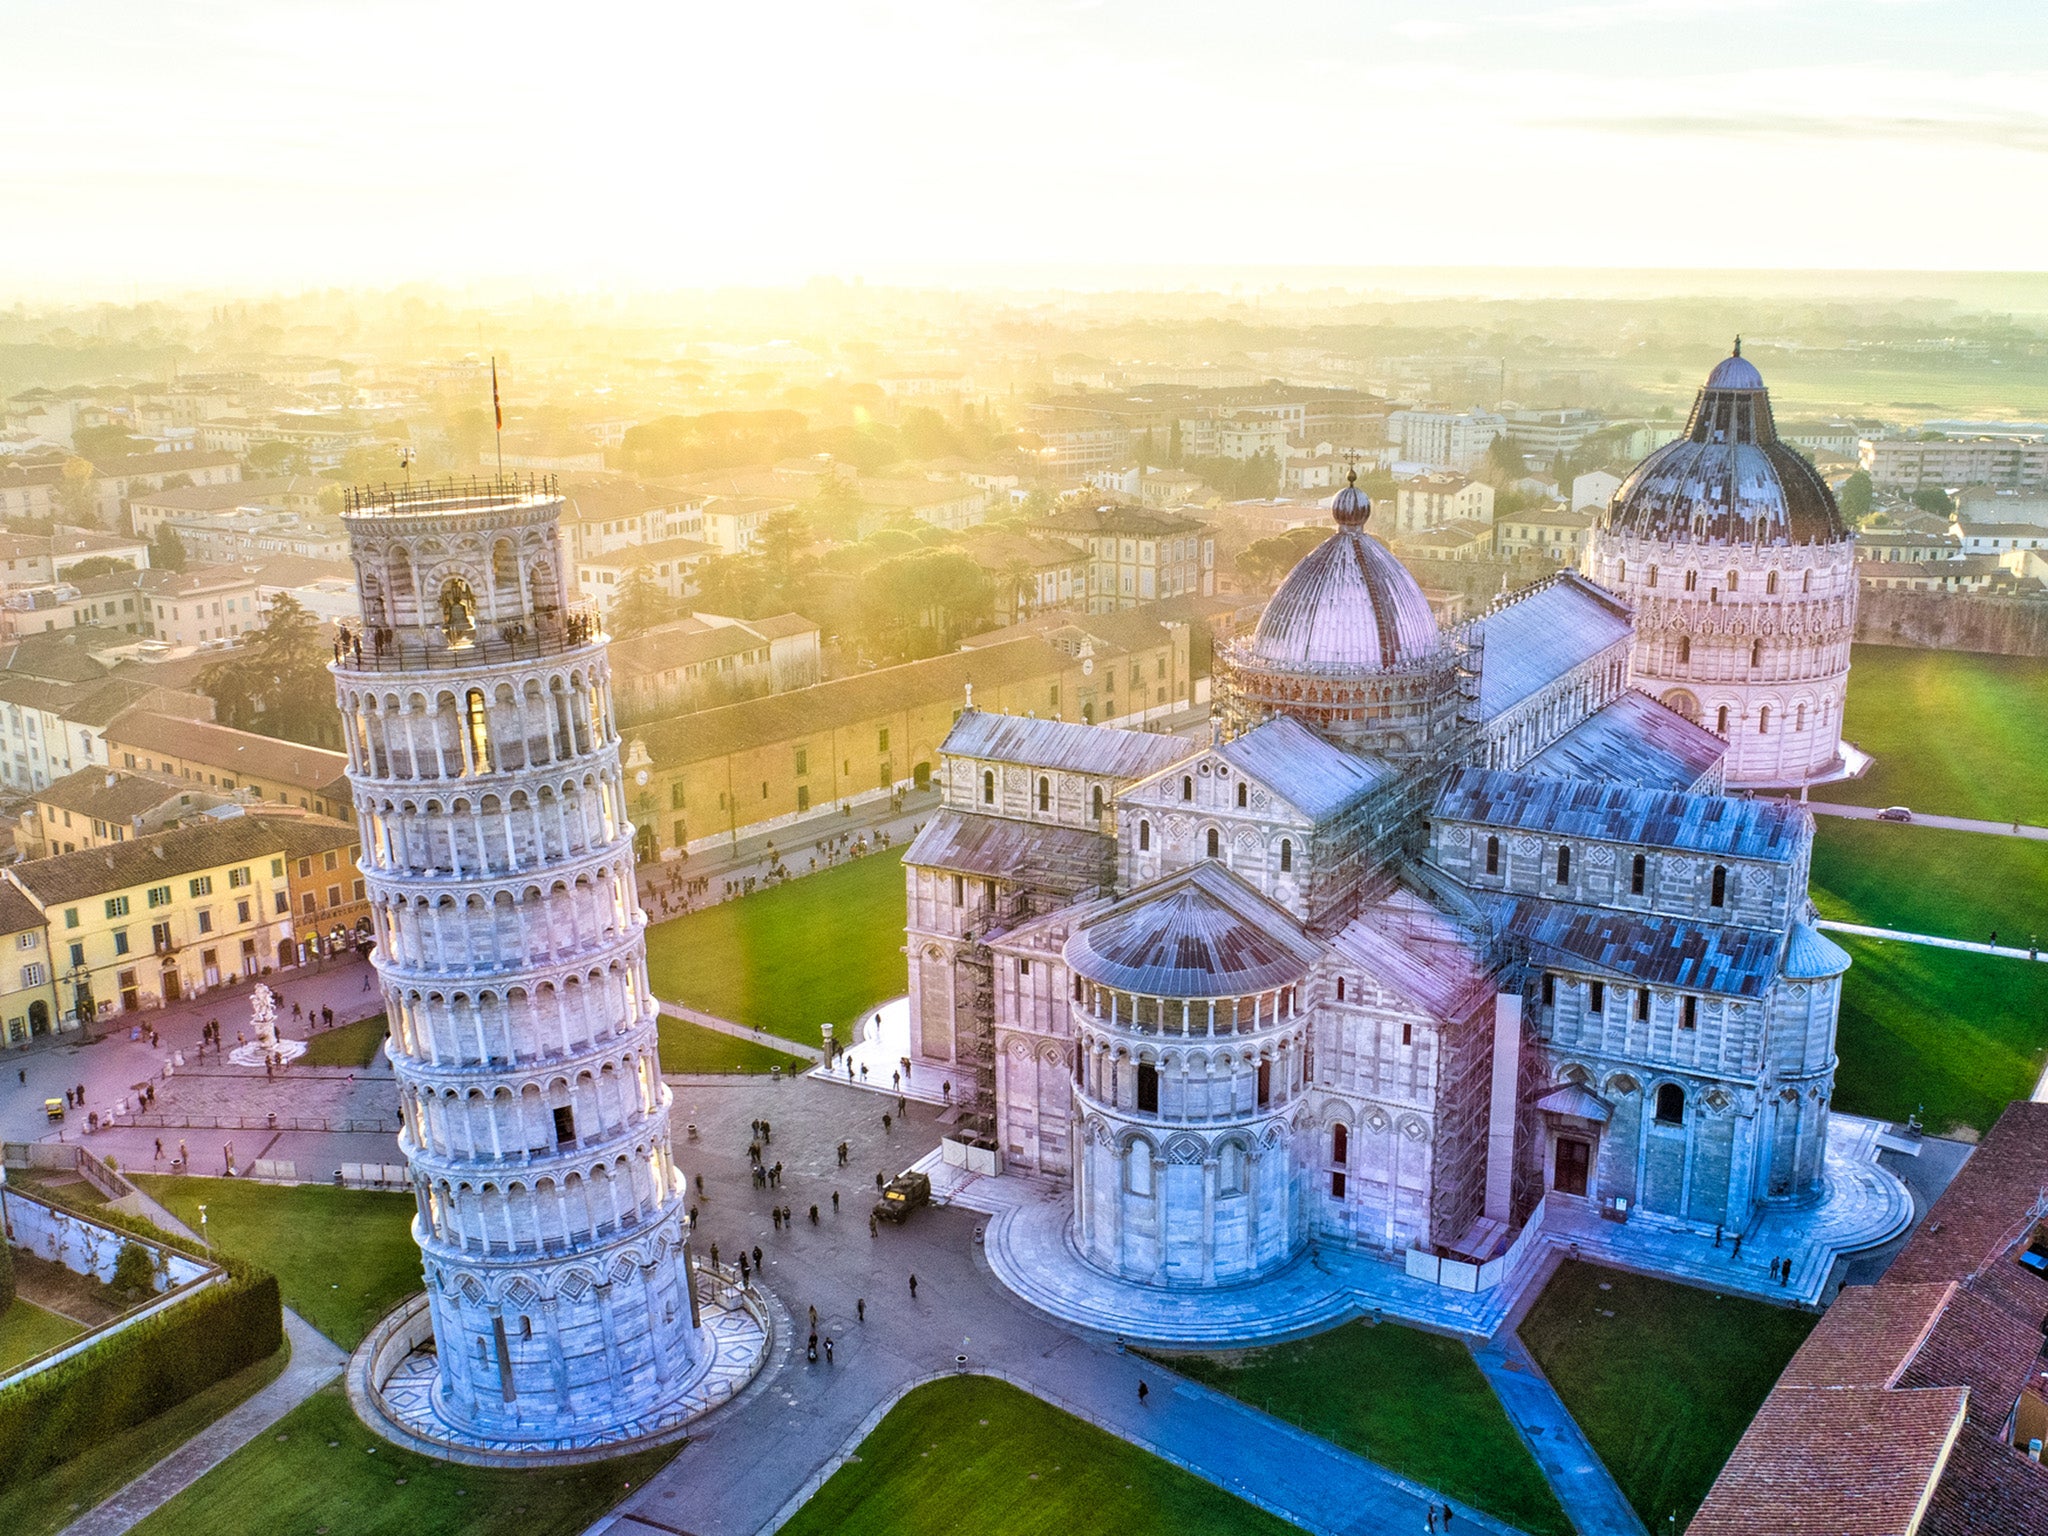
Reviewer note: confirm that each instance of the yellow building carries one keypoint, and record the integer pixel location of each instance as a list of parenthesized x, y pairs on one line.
[(169, 915), (28, 991), (97, 806), (221, 757)]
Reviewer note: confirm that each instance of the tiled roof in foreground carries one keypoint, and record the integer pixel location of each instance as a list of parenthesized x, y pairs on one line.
[(1635, 741), (1654, 818)]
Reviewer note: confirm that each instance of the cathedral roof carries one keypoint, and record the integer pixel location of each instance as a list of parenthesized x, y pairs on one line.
[(1811, 956), (1634, 740), (1063, 746), (1712, 824), (1303, 769), (1647, 948), (1537, 636), (1728, 479), (1199, 933), (997, 847), (1408, 946), (1349, 606)]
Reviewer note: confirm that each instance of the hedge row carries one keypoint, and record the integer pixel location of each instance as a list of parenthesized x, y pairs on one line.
[(141, 1371), (6, 1275)]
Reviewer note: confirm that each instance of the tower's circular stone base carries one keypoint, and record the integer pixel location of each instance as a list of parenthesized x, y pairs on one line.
[(392, 1373)]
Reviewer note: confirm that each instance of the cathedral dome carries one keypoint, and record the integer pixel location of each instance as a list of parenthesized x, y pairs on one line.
[(1190, 939), (1728, 479), (1349, 606)]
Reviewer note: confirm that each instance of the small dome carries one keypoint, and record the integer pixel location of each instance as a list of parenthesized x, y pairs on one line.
[(1187, 941), (1728, 479), (1349, 606)]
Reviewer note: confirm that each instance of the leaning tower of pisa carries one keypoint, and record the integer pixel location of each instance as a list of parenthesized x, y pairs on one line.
[(477, 704)]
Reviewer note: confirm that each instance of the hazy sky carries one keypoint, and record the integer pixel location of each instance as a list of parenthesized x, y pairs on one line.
[(151, 143)]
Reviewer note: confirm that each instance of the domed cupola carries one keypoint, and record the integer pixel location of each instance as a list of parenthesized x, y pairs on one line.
[(1728, 480), (1350, 606)]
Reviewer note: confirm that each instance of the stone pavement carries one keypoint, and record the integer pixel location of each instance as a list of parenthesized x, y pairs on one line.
[(1922, 819), (315, 1362)]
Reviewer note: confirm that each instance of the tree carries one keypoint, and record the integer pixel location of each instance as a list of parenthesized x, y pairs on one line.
[(75, 493), (134, 1271), (96, 565), (276, 680), (1173, 445), (835, 508), (640, 604), (277, 459), (1503, 462), (99, 443), (1932, 498), (921, 604), (782, 542), (1265, 561), (1855, 498), (167, 550), (734, 584)]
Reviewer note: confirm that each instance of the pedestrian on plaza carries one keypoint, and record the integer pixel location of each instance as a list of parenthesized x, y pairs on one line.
[(863, 1071), (813, 1353), (814, 1215), (788, 1220), (860, 1308), (878, 1183), (1447, 1517), (828, 1349), (366, 981), (1429, 1519), (913, 1287), (159, 1149), (767, 1133), (757, 1255), (1785, 1275), (775, 1215), (1143, 1393), (874, 1230), (744, 1271), (842, 1145), (887, 1122), (1738, 1246), (714, 1255), (181, 1151), (23, 1075), (895, 1079), (835, 1202), (814, 1319), (778, 1173)]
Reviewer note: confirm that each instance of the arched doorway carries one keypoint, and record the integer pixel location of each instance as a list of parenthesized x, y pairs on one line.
[(38, 1018), (921, 776), (1682, 701)]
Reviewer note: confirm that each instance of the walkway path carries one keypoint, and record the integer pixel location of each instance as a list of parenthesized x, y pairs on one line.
[(1576, 1474), (2002, 951), (1922, 819), (315, 1362), (739, 1031)]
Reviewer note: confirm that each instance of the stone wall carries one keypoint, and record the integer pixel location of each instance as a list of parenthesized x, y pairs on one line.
[(2001, 626)]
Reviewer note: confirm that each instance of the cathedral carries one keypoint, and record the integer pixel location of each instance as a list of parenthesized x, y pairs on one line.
[(1437, 922)]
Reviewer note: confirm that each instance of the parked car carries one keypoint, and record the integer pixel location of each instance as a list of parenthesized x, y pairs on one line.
[(904, 1194), (1895, 813)]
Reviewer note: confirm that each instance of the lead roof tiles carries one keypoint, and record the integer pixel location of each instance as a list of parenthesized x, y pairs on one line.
[(1536, 639), (1635, 741), (1064, 746), (1303, 769), (1769, 830)]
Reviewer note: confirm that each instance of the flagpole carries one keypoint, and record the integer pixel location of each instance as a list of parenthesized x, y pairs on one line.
[(498, 416)]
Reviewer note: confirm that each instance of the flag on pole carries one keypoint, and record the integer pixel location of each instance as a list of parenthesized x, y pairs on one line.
[(497, 410)]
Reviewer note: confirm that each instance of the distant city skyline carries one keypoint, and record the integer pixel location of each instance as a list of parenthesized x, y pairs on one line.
[(225, 142)]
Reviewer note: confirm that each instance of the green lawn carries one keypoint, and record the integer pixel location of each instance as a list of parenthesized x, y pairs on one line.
[(687, 1047), (1408, 1400), (1962, 1034), (26, 1330), (346, 1045), (49, 1503), (1953, 733), (1665, 1385), (343, 1257), (318, 1469), (787, 959), (1958, 885), (970, 1456)]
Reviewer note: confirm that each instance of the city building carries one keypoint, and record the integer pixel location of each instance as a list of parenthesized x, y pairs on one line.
[(1551, 434), (1031, 576), (1428, 501), (289, 773), (37, 559), (1134, 555), (498, 852), (1994, 538), (50, 727), (670, 564), (1459, 539), (709, 659), (1742, 575), (1445, 439), (28, 988), (1908, 464), (733, 523), (1919, 1404), (97, 806), (1437, 931), (1554, 532), (1594, 489), (200, 604)]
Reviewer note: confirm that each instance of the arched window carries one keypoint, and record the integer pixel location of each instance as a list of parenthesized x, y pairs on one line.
[(1721, 720), (1719, 897), (1763, 721), (1187, 787), (1799, 719), (988, 786), (1243, 794), (1286, 854), (1771, 585), (1653, 577), (1340, 1144), (1638, 874), (1340, 989), (1756, 653), (1564, 866), (1144, 836), (1215, 843), (1621, 573), (1734, 580), (1493, 855), (1044, 793), (1148, 1087), (1095, 803), (1670, 1105), (1692, 581), (1684, 649), (1806, 582)]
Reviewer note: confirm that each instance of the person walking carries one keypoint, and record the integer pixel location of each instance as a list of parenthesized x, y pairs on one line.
[(874, 1227), (1429, 1519), (887, 1121), (757, 1255), (159, 1149), (1447, 1518), (1143, 1392), (814, 1320), (835, 1202), (913, 1287), (828, 1349), (860, 1308), (814, 1215)]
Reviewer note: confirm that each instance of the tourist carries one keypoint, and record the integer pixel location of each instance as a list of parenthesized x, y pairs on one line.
[(860, 1308), (714, 1256), (835, 1202), (1447, 1517), (879, 1182), (814, 1215), (913, 1287), (828, 1349), (874, 1230), (775, 1215), (814, 1319), (1429, 1519), (159, 1149), (757, 1255), (887, 1122), (1143, 1392)]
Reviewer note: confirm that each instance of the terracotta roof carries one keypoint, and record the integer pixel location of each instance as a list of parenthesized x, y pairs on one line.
[(1977, 1216), (1871, 1334), (111, 794), (1834, 1461), (230, 750), (73, 876), (216, 498), (17, 913), (1988, 1490)]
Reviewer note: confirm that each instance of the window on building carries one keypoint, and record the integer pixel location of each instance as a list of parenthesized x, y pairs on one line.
[(308, 904), (1771, 585), (1689, 1014), (1215, 841), (1734, 580), (1596, 996), (477, 723), (803, 797), (201, 885), (205, 920), (1719, 895), (77, 955), (159, 895), (565, 1125), (159, 937), (1642, 1005), (1638, 875), (1340, 1144), (1670, 1105), (117, 906), (1756, 653), (1651, 579), (1095, 803), (1340, 989), (1763, 721), (882, 740), (1144, 836), (1549, 990), (988, 787), (1692, 581), (1493, 855), (1684, 649), (1407, 1031), (803, 761), (1564, 866), (1148, 1087), (1721, 720), (237, 878), (1286, 854), (120, 941), (959, 890), (1187, 787), (71, 917), (1806, 582), (1044, 793)]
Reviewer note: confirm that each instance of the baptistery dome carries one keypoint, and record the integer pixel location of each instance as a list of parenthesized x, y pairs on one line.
[(1350, 606), (1728, 479)]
